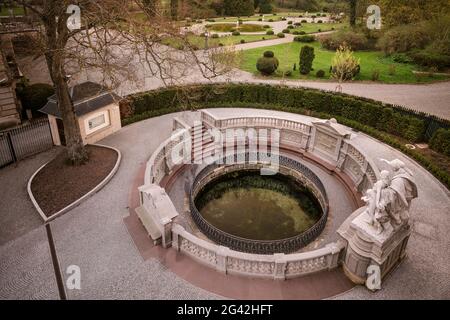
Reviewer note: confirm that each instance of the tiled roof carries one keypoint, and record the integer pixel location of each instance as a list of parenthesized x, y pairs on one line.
[(86, 96)]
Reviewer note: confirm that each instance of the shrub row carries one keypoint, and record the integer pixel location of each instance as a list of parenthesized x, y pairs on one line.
[(371, 117), (441, 141), (409, 125), (356, 41)]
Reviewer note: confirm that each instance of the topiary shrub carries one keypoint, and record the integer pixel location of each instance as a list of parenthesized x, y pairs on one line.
[(290, 22), (270, 33), (305, 39), (266, 26), (440, 141), (306, 59), (242, 40), (301, 33), (319, 21), (267, 64), (270, 20), (288, 73), (320, 74), (295, 33), (290, 27), (35, 96), (214, 36), (281, 35), (286, 31), (304, 21), (297, 24), (236, 33)]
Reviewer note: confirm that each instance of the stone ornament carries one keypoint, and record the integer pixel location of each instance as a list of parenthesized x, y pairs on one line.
[(389, 201)]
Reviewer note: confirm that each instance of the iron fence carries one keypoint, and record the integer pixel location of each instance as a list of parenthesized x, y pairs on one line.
[(23, 141)]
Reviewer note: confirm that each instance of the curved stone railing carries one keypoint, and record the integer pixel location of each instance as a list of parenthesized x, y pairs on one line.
[(161, 162), (276, 266), (287, 167), (296, 135)]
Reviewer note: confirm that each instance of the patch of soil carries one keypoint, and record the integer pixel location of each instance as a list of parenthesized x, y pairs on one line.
[(59, 184)]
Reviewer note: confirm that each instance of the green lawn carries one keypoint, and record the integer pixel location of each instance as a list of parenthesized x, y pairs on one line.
[(288, 54), (212, 43), (18, 11), (314, 27)]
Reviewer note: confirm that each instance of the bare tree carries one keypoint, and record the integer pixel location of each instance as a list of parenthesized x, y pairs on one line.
[(119, 44)]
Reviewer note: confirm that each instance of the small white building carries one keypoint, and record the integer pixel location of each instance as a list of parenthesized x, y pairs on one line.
[(96, 108)]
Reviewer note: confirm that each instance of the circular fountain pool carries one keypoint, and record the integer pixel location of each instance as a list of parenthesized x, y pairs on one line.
[(252, 206), (237, 207)]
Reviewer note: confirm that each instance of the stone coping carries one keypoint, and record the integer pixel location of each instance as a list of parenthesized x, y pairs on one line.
[(320, 285), (80, 200)]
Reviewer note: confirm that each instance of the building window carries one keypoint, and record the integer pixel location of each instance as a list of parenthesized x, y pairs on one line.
[(97, 122)]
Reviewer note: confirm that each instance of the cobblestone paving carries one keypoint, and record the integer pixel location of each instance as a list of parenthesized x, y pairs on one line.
[(94, 237), (17, 213)]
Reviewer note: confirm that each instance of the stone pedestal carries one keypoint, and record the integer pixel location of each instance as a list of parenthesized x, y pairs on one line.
[(365, 247)]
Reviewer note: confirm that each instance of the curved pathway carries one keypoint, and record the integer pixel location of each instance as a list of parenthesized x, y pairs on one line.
[(94, 237)]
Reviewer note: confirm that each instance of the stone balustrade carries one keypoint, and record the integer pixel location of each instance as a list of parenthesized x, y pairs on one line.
[(296, 135), (276, 266)]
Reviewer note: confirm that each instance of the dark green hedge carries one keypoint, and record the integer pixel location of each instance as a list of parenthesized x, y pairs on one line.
[(378, 120), (410, 125), (441, 141)]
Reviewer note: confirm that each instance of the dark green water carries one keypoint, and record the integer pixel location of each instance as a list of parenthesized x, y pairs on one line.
[(257, 207)]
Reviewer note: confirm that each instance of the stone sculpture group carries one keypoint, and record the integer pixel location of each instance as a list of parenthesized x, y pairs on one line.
[(389, 200)]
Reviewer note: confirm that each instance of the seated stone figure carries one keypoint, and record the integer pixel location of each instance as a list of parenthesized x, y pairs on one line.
[(400, 192), (389, 201)]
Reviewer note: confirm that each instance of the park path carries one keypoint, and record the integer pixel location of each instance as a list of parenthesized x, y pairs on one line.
[(428, 98), (94, 237)]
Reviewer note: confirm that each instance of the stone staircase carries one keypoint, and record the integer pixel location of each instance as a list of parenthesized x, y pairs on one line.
[(203, 144)]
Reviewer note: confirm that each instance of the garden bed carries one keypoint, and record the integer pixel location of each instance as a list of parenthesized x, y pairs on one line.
[(58, 184)]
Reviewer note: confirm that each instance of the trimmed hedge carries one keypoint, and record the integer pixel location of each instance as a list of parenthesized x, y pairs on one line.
[(409, 125), (305, 39), (440, 141), (369, 116)]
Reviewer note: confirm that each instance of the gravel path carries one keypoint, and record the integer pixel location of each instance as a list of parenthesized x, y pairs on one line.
[(429, 98), (17, 214), (94, 237)]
